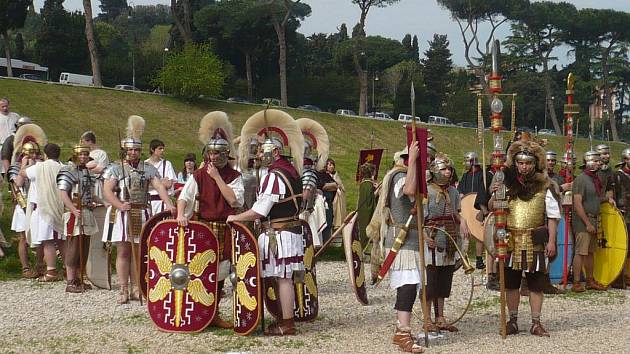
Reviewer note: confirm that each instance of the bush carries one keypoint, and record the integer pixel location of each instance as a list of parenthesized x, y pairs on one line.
[(191, 72)]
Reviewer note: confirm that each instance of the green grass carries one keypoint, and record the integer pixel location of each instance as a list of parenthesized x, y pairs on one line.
[(64, 112)]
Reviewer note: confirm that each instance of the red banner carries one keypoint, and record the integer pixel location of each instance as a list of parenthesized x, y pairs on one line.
[(421, 137), (372, 156)]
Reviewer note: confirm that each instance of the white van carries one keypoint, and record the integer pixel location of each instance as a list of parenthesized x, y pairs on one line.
[(439, 120), (345, 112), (407, 118), (76, 79)]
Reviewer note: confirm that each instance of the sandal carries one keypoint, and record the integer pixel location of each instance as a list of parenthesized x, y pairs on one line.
[(28, 273), (74, 286), (447, 327), (281, 328), (123, 297), (221, 323), (51, 275), (538, 330), (511, 326), (404, 340)]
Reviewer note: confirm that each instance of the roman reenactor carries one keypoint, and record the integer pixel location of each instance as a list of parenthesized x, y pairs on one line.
[(26, 146), (281, 243), (76, 183), (44, 212), (622, 198), (126, 189), (530, 201), (605, 172), (165, 170), (215, 192)]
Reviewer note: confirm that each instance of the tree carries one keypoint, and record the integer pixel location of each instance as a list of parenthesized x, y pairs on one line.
[(192, 72), (91, 42), (358, 35), (415, 49), (12, 16), (437, 65), (469, 14), (343, 32), (183, 17), (537, 32), (110, 9), (284, 15), (19, 46)]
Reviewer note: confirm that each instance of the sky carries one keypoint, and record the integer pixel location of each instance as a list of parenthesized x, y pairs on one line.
[(416, 17)]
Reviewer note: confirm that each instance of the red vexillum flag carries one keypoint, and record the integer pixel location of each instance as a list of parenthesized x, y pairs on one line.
[(372, 156), (421, 137)]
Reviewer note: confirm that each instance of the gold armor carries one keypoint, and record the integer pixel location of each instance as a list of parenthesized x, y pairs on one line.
[(524, 217)]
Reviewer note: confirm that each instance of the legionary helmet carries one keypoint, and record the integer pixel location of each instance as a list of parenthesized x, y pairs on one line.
[(471, 159), (23, 120), (591, 160), (274, 129), (602, 149), (316, 143), (568, 159), (551, 155), (215, 132), (79, 149), (135, 129), (526, 150), (29, 138), (625, 158), (441, 162)]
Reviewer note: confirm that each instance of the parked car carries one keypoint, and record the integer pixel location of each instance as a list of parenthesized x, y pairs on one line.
[(76, 79), (237, 99), (125, 87), (439, 120), (546, 132), (407, 118), (272, 102), (345, 112), (310, 107), (31, 77), (467, 125), (379, 115)]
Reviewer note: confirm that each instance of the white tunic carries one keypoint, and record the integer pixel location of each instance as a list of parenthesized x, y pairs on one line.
[(39, 231), (290, 245), (165, 170)]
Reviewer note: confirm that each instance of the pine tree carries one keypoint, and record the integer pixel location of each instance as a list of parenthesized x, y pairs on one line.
[(437, 65), (110, 9), (415, 49)]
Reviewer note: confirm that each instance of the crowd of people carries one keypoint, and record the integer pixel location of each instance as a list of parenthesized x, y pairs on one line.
[(77, 209)]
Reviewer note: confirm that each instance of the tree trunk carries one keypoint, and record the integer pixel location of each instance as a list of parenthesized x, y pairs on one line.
[(182, 26), (89, 34), (363, 82), (7, 52), (248, 73), (607, 93), (549, 100), (282, 62)]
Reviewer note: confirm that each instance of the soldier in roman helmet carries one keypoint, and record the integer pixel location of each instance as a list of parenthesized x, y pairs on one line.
[(316, 147), (76, 182), (278, 206), (215, 191), (605, 172), (26, 145), (530, 202), (622, 198), (126, 189)]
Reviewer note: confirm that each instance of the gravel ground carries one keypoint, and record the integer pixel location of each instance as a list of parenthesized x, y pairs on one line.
[(43, 318)]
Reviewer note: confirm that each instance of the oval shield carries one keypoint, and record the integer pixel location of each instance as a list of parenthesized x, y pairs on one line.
[(246, 306), (182, 276), (354, 254), (612, 247)]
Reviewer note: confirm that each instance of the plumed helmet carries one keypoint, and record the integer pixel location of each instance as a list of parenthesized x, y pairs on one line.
[(316, 144), (135, 129), (215, 132), (31, 135), (273, 129)]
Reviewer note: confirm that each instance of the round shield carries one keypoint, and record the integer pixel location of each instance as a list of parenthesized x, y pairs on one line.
[(469, 213), (354, 252), (182, 276), (612, 247)]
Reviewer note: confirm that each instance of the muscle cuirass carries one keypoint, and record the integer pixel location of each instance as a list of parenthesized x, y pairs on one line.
[(527, 214)]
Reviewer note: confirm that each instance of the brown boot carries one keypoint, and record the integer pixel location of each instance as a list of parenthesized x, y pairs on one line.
[(592, 284), (578, 287), (511, 326), (281, 328), (404, 340), (538, 330), (74, 286), (221, 323)]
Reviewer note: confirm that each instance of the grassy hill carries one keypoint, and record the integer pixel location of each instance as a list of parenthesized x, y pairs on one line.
[(64, 112)]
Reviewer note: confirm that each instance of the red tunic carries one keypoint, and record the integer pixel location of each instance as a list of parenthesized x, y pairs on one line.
[(212, 204)]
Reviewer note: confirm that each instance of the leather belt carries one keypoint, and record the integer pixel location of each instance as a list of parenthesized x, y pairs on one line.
[(154, 197), (282, 225)]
